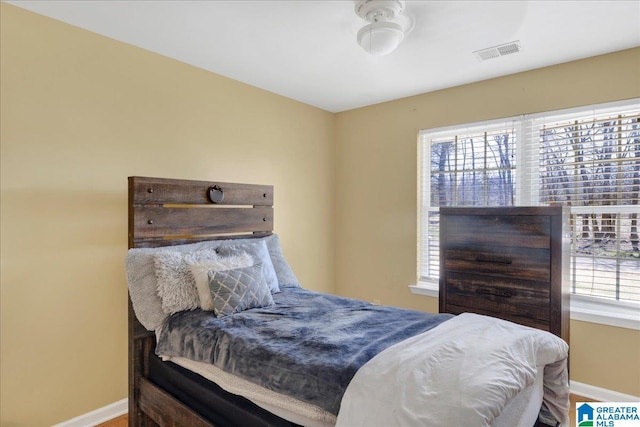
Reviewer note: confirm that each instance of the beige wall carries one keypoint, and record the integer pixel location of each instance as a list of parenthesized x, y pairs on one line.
[(80, 113), (376, 156)]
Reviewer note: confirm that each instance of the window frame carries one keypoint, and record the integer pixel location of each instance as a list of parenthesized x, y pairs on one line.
[(618, 313)]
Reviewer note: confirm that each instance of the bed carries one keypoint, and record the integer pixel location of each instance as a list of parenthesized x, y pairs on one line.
[(288, 356)]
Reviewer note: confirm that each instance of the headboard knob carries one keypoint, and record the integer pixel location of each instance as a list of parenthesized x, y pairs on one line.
[(149, 190), (150, 222), (216, 194)]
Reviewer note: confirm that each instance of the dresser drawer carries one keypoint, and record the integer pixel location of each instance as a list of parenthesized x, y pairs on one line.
[(524, 231), (526, 321), (499, 261), (508, 297)]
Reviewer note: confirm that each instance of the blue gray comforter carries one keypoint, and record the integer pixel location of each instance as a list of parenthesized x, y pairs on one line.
[(307, 345)]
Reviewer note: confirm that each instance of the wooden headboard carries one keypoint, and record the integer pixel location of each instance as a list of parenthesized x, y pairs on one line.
[(164, 212)]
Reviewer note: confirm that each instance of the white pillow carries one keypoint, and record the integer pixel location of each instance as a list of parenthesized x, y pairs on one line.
[(200, 272)]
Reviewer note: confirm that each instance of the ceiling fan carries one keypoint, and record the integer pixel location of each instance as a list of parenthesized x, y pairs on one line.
[(387, 25)]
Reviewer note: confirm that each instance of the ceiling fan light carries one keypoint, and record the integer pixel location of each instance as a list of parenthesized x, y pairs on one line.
[(380, 38)]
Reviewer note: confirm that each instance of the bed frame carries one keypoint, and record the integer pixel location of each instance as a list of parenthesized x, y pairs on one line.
[(167, 212)]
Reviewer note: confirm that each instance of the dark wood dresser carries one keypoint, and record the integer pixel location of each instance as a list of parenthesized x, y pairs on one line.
[(507, 262)]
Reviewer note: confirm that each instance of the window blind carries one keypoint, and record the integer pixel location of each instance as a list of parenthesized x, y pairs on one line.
[(589, 160), (585, 158), (462, 166)]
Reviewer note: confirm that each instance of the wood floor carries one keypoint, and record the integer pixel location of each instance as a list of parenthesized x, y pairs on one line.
[(122, 421), (116, 422)]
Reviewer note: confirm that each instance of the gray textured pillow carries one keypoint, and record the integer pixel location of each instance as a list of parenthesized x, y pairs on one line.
[(176, 284), (200, 272), (286, 277), (237, 290), (141, 278), (260, 254)]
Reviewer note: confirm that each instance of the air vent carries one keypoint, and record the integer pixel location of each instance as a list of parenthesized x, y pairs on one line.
[(496, 51)]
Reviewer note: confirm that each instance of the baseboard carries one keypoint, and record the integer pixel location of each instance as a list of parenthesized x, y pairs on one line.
[(98, 416), (601, 394)]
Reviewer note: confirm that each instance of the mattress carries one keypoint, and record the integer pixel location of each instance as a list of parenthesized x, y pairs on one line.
[(522, 411), (284, 406), (208, 399)]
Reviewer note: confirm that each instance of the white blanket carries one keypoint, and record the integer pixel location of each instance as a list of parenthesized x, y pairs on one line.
[(461, 373)]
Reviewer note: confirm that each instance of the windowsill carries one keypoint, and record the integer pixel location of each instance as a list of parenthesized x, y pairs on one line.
[(583, 308), (429, 289), (605, 312)]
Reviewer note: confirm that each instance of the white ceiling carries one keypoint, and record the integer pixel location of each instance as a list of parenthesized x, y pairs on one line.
[(307, 50)]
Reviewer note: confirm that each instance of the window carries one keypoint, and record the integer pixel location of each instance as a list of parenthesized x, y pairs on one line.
[(464, 166), (587, 158)]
